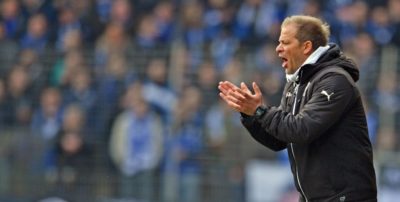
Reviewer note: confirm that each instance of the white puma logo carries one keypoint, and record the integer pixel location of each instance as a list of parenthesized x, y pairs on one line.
[(327, 95)]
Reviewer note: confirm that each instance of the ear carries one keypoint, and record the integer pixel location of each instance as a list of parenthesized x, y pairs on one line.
[(307, 48)]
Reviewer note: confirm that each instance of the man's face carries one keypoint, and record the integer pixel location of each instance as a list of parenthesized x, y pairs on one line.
[(290, 50)]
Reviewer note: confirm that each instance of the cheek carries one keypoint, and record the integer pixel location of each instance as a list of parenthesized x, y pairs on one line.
[(296, 57)]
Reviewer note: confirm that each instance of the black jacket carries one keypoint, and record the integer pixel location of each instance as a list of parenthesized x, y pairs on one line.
[(325, 131)]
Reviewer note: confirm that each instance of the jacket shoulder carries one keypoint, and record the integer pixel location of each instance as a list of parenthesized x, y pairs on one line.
[(336, 69)]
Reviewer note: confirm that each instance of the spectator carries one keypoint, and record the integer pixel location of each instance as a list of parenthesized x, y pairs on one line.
[(364, 52), (45, 126), (67, 22), (80, 91), (380, 27), (19, 98), (111, 87), (32, 7), (192, 32), (223, 48), (65, 67), (165, 21), (136, 146), (8, 50), (113, 40), (71, 167), (387, 102), (182, 174), (103, 9), (156, 86), (179, 72), (295, 8), (86, 13), (352, 19), (147, 33), (257, 20), (36, 36), (122, 14), (11, 16), (72, 41), (36, 70), (146, 44), (217, 17), (313, 8), (207, 79), (47, 118)]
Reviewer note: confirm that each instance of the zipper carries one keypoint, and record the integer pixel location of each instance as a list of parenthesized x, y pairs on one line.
[(291, 145), (297, 174), (296, 88)]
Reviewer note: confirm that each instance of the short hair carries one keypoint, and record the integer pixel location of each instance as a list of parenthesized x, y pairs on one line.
[(309, 29)]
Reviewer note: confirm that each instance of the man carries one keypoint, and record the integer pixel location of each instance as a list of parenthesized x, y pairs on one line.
[(321, 120)]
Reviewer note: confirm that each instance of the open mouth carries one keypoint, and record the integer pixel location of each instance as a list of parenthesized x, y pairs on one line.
[(284, 62)]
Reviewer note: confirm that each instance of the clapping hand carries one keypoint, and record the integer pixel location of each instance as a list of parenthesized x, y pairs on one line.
[(241, 99)]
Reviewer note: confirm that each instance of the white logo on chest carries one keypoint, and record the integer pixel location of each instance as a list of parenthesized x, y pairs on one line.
[(327, 94)]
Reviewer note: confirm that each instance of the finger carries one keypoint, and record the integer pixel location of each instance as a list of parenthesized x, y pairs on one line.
[(244, 87), (236, 100), (257, 90), (229, 101), (224, 97), (232, 92), (229, 85), (247, 93), (224, 89), (232, 95), (238, 95)]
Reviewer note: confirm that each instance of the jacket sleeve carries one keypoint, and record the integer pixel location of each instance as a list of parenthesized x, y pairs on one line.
[(260, 135), (317, 115)]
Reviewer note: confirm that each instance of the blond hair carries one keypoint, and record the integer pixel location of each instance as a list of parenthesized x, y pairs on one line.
[(309, 29)]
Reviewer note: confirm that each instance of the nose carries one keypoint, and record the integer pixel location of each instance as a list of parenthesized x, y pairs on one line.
[(279, 48)]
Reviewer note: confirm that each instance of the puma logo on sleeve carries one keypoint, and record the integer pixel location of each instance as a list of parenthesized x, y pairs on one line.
[(324, 92)]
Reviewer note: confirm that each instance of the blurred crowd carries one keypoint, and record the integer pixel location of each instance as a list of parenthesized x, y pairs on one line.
[(119, 98)]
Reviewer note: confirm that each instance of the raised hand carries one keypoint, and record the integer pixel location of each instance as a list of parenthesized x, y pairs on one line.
[(241, 99)]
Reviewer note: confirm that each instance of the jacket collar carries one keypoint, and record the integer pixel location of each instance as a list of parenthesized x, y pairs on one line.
[(312, 59)]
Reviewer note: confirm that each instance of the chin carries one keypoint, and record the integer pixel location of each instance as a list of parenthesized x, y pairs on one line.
[(289, 70)]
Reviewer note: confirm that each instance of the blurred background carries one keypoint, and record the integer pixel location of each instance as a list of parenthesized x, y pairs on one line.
[(117, 100)]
